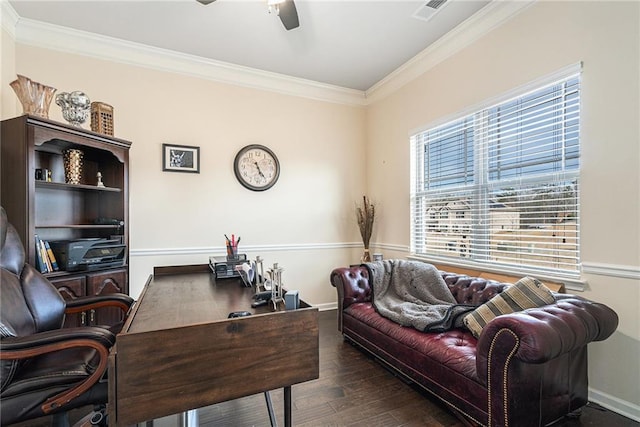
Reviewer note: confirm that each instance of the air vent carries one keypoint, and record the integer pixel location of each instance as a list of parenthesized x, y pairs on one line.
[(427, 11), (435, 4)]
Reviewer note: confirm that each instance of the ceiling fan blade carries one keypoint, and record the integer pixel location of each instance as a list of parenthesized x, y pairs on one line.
[(205, 2), (288, 15)]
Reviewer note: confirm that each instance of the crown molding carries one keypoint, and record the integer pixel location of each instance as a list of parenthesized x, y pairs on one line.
[(8, 17), (63, 39), (488, 18)]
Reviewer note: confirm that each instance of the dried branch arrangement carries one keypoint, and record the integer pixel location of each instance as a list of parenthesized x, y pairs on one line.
[(365, 215)]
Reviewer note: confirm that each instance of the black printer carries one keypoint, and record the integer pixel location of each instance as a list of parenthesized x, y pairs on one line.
[(88, 254)]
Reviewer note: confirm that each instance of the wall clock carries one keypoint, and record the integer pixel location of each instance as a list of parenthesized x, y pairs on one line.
[(256, 167)]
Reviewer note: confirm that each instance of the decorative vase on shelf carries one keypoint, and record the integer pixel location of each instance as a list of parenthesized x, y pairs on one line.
[(75, 107), (366, 256), (73, 165), (34, 97)]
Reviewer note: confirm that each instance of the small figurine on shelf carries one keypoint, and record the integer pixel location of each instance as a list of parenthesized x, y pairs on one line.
[(100, 183)]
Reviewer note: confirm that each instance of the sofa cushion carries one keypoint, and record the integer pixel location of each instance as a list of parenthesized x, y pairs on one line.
[(528, 292), (454, 349)]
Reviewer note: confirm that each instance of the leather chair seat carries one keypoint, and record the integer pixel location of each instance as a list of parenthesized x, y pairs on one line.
[(52, 370)]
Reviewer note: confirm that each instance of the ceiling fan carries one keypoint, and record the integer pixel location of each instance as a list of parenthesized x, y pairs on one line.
[(285, 9)]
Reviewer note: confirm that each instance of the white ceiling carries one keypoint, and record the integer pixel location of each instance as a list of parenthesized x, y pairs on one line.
[(350, 44)]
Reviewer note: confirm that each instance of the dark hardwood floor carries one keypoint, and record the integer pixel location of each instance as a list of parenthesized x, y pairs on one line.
[(353, 390)]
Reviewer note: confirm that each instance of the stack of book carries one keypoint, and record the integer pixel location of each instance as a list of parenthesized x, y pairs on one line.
[(44, 256)]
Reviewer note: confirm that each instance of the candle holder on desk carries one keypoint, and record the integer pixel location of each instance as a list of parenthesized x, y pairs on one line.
[(275, 274), (259, 273)]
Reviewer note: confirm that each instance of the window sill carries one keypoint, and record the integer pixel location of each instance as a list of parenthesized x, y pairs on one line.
[(569, 283)]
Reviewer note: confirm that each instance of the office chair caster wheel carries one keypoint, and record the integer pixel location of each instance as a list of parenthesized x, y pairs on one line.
[(99, 417)]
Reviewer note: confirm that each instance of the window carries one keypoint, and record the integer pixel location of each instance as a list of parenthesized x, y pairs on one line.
[(509, 175)]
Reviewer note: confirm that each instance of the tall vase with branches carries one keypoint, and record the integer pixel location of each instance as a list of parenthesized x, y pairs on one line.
[(366, 215)]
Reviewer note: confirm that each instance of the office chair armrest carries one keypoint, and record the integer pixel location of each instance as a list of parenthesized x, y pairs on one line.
[(98, 339), (49, 341), (117, 300)]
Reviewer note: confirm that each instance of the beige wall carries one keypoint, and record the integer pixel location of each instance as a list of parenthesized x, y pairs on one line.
[(541, 40), (181, 218), (8, 100)]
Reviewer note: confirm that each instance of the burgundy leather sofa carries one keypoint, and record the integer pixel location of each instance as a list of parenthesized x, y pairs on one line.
[(525, 369)]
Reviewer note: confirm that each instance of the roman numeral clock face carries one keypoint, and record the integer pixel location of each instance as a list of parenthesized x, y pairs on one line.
[(256, 167)]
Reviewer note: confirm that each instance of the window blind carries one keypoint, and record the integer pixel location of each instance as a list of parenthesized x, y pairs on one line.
[(501, 185)]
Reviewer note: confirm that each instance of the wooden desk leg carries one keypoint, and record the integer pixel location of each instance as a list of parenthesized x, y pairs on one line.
[(287, 406)]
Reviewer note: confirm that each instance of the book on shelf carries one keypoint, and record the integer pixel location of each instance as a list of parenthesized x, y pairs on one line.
[(42, 265), (43, 249), (47, 262), (52, 257)]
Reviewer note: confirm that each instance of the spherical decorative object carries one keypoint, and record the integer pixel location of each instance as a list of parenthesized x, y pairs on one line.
[(75, 106)]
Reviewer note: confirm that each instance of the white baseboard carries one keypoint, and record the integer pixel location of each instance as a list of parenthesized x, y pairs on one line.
[(327, 306), (619, 406)]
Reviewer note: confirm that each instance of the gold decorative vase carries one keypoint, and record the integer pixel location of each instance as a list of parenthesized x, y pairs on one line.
[(34, 97), (366, 256), (73, 166)]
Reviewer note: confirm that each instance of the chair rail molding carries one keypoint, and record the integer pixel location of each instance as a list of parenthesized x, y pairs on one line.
[(612, 270), (211, 250)]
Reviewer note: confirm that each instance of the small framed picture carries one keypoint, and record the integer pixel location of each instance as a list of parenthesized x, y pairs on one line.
[(180, 158)]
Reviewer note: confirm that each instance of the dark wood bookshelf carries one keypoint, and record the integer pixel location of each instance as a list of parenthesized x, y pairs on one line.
[(57, 210)]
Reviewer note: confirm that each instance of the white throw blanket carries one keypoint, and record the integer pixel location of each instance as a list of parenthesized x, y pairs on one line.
[(413, 293)]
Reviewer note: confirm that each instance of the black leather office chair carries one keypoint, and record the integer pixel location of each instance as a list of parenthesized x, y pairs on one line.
[(44, 369)]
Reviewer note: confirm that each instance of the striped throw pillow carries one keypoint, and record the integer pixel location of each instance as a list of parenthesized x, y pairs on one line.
[(527, 292)]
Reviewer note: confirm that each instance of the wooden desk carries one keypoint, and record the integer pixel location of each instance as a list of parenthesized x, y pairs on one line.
[(178, 350)]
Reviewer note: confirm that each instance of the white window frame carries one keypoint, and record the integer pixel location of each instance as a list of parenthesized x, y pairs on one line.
[(420, 223)]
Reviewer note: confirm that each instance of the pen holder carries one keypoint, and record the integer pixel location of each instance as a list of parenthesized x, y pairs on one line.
[(231, 250)]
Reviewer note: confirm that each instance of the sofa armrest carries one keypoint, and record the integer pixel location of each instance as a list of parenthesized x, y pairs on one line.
[(540, 334), (535, 352), (352, 284)]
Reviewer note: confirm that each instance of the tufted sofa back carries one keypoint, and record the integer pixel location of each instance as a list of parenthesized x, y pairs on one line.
[(472, 290), (465, 289)]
